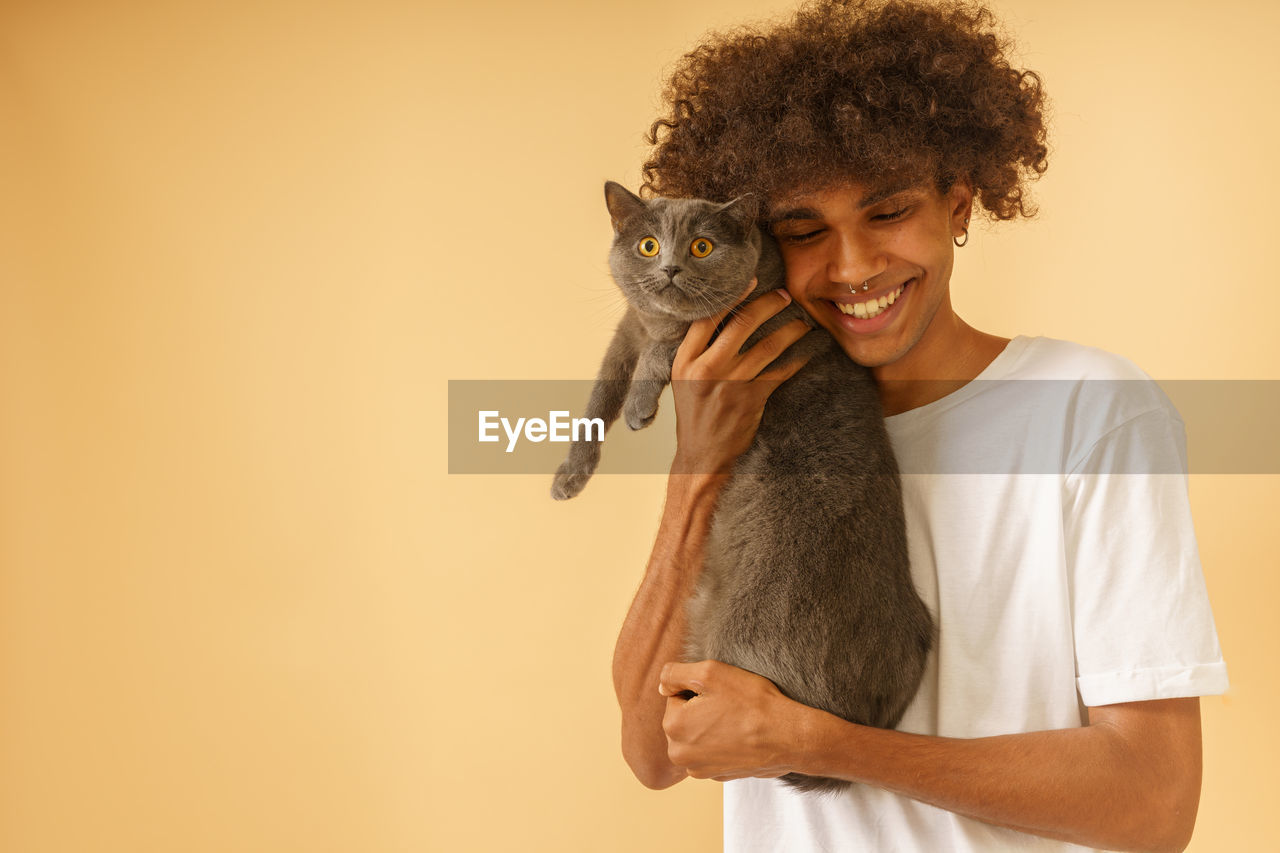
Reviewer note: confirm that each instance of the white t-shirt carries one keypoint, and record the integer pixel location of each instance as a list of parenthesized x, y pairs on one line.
[(1050, 535)]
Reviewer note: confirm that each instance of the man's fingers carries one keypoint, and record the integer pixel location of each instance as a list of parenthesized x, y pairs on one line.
[(700, 331), (784, 372), (695, 341), (748, 319), (677, 678), (770, 347)]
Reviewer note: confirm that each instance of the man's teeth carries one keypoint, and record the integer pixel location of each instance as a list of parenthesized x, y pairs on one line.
[(872, 307)]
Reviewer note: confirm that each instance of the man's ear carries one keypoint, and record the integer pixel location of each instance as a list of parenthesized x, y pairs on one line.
[(743, 210), (622, 203), (960, 197)]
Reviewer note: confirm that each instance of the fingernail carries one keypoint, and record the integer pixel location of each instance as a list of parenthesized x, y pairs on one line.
[(786, 296)]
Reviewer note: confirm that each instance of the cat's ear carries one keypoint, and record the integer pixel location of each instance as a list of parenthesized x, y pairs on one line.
[(743, 211), (622, 203)]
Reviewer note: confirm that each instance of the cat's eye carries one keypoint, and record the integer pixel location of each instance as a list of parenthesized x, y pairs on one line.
[(649, 247), (701, 247)]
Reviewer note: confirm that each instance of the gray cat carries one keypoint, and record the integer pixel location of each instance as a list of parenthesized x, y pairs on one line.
[(805, 579)]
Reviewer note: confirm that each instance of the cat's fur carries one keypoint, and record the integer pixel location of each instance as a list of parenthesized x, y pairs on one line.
[(805, 579)]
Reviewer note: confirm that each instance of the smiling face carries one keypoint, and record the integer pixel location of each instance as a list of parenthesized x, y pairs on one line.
[(897, 241)]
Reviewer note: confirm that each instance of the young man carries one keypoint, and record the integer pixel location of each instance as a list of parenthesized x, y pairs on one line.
[(1048, 520)]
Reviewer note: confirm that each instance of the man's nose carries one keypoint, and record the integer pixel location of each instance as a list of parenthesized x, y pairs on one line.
[(857, 257)]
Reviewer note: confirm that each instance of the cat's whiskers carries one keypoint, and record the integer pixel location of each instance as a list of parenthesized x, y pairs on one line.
[(691, 288), (611, 312), (606, 302), (703, 299)]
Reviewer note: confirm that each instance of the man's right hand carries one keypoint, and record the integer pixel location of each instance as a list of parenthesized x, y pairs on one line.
[(720, 393)]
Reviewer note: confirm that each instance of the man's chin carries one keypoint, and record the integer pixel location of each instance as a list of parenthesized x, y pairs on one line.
[(869, 356)]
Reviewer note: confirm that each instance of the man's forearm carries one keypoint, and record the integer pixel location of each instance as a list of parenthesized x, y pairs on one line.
[(653, 632), (1128, 781)]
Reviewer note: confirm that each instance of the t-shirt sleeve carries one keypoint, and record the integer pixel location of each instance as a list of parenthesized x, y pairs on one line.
[(1140, 610)]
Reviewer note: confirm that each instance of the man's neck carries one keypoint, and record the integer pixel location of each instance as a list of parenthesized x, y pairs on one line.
[(948, 356)]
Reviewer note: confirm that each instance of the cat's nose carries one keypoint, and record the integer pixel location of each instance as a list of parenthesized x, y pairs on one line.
[(671, 271)]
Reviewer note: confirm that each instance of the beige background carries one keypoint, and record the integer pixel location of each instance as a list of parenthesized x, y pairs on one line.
[(243, 245)]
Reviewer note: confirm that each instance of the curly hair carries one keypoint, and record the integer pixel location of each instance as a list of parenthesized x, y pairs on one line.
[(868, 91)]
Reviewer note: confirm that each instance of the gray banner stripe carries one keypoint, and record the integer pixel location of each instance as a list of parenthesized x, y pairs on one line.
[(1232, 427)]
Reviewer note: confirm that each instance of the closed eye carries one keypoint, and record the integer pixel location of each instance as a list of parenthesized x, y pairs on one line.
[(797, 239), (890, 217)]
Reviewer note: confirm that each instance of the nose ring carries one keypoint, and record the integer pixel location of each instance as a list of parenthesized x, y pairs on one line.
[(865, 287)]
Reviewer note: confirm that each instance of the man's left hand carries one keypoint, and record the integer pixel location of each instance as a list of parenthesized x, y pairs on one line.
[(726, 723)]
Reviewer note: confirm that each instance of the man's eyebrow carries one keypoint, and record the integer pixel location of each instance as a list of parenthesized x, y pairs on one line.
[(795, 213), (877, 196), (873, 197)]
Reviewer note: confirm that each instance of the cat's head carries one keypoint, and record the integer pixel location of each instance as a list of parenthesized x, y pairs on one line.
[(684, 258)]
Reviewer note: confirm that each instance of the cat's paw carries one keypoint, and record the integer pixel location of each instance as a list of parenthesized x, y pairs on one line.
[(569, 482), (639, 417)]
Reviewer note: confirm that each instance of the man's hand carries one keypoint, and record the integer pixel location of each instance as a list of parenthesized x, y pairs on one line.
[(726, 723), (719, 392)]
